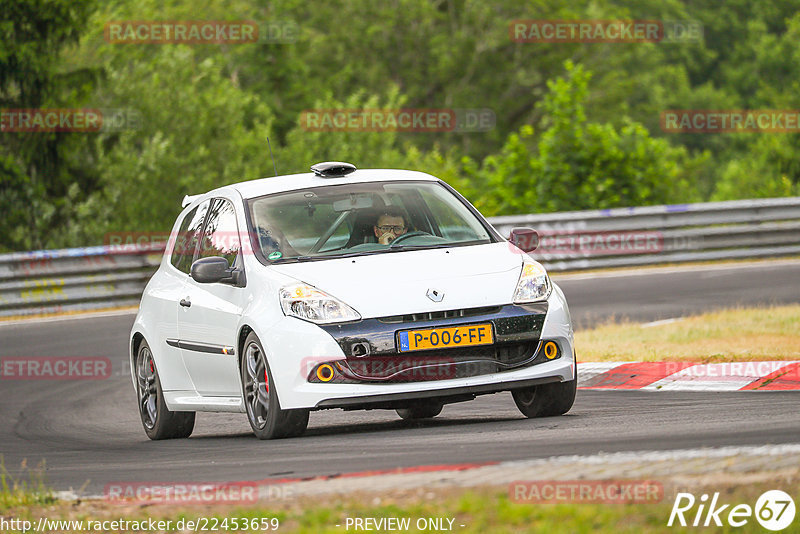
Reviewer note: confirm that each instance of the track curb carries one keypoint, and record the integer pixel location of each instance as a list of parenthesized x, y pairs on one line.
[(691, 376)]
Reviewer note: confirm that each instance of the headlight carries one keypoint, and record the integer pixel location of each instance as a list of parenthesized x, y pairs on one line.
[(311, 304), (534, 284)]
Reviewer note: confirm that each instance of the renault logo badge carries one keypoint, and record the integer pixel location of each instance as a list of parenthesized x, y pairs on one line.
[(436, 295)]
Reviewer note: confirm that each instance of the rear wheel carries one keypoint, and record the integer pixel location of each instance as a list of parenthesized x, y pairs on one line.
[(157, 420), (421, 410), (547, 399), (267, 419)]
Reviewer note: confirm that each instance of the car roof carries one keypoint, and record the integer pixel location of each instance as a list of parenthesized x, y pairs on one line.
[(293, 182)]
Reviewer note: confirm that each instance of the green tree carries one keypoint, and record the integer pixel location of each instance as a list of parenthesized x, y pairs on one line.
[(207, 134), (369, 149), (769, 170), (42, 173), (765, 164), (582, 164), (206, 109)]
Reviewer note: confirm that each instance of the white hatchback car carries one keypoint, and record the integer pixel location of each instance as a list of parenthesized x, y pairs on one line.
[(344, 288)]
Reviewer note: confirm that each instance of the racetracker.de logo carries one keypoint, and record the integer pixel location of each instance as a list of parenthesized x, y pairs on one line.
[(398, 120), (55, 368), (396, 368), (730, 121), (586, 491), (68, 120), (199, 32), (181, 243), (604, 31), (578, 243), (600, 243), (181, 492)]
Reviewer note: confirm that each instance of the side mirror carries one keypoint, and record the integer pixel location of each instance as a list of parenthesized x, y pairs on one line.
[(212, 270), (525, 239)]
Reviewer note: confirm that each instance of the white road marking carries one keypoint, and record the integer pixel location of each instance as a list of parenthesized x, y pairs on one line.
[(661, 322)]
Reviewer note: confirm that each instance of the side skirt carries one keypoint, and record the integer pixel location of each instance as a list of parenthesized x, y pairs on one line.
[(190, 401)]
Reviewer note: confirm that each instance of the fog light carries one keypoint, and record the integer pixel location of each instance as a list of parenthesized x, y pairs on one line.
[(550, 350), (325, 372)]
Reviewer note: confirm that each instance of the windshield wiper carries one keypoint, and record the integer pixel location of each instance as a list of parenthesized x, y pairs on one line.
[(398, 248), (294, 259), (440, 245), (322, 257), (420, 247)]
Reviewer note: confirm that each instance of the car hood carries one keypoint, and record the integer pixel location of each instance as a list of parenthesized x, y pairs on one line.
[(397, 283)]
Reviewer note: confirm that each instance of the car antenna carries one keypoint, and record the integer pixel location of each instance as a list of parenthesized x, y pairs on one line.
[(273, 157)]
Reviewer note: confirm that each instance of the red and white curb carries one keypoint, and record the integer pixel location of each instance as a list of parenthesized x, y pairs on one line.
[(690, 376)]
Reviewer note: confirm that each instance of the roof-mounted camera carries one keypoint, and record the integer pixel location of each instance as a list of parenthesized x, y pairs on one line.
[(330, 169)]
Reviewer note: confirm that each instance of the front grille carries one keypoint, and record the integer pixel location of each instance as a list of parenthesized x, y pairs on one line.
[(431, 316), (420, 366)]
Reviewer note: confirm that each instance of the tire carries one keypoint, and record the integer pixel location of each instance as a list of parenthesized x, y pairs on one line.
[(157, 420), (264, 413), (546, 400), (421, 410)]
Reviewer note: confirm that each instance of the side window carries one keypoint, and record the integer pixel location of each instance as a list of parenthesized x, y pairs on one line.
[(187, 238), (221, 235)]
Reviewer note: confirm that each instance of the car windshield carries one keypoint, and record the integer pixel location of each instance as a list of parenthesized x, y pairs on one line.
[(367, 218)]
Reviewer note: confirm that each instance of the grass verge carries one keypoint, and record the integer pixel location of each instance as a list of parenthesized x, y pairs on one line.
[(16, 491), (741, 334), (482, 509)]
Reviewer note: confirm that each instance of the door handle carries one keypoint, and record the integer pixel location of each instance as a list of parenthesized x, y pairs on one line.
[(186, 303)]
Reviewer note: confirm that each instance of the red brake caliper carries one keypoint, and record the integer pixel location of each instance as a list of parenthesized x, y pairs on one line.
[(152, 369), (266, 380)]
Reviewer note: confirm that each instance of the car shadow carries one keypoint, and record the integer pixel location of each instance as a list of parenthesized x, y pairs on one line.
[(340, 429)]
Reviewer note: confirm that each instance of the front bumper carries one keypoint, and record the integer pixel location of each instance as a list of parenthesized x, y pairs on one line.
[(373, 352), (513, 361), (453, 394)]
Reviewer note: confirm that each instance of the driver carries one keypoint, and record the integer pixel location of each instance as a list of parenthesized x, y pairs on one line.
[(390, 225)]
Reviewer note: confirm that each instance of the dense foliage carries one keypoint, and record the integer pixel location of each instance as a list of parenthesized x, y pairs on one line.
[(577, 124)]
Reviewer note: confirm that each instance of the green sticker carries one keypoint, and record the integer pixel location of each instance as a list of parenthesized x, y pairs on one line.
[(275, 255)]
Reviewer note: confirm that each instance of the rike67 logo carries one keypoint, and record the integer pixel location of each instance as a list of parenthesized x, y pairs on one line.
[(774, 510)]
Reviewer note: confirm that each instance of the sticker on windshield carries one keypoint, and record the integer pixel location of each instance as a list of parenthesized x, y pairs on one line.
[(275, 255)]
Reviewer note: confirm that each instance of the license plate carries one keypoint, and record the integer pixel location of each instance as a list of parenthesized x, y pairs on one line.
[(446, 337)]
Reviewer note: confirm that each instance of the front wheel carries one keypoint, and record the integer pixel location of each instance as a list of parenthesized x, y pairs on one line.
[(157, 420), (546, 400), (267, 419)]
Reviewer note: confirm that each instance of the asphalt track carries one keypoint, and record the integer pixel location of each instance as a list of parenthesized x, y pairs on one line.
[(89, 433)]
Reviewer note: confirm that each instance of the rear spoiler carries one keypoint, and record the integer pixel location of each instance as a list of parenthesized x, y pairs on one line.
[(188, 199)]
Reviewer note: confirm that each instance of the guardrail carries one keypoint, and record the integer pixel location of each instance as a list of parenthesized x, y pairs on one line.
[(51, 281), (679, 233)]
